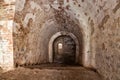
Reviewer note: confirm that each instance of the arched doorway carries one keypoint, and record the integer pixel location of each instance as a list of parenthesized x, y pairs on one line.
[(58, 40), (64, 50)]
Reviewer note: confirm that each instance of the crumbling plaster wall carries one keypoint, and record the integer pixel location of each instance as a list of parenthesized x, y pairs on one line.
[(35, 24), (47, 15), (98, 20), (7, 10)]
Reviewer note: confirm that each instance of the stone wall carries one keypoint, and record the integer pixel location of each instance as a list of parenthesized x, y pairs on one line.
[(98, 21), (7, 9), (36, 22)]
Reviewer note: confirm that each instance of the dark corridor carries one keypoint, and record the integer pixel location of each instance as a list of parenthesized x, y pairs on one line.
[(64, 49)]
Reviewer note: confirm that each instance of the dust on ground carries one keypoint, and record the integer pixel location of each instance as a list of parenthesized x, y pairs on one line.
[(58, 73)]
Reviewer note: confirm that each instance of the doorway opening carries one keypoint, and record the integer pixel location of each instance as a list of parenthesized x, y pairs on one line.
[(64, 50)]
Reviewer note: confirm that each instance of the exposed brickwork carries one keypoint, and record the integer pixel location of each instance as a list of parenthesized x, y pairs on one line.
[(36, 20), (7, 9), (98, 19)]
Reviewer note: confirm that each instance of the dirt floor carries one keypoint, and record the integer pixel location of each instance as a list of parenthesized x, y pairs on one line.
[(50, 73)]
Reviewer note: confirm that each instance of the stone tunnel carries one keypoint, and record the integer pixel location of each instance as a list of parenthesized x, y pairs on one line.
[(85, 33)]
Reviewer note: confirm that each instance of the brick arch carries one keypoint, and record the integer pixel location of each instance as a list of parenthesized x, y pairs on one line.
[(61, 33)]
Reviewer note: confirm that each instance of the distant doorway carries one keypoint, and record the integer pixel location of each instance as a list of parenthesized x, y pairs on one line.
[(64, 50)]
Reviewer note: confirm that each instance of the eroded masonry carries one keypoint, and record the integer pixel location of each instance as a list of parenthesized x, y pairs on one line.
[(82, 32)]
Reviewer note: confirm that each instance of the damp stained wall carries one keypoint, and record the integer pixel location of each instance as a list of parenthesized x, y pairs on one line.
[(38, 22), (98, 20)]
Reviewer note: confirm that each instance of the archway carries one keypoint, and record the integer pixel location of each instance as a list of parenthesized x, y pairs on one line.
[(64, 50), (57, 35)]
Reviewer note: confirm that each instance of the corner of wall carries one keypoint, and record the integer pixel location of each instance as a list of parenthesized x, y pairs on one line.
[(7, 10)]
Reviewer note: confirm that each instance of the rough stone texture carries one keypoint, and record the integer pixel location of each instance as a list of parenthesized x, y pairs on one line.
[(7, 9), (37, 22), (68, 73), (97, 22)]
